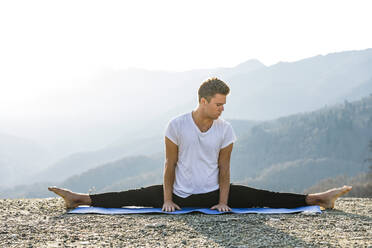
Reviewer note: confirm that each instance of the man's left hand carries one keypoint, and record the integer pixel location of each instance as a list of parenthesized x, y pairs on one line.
[(221, 207)]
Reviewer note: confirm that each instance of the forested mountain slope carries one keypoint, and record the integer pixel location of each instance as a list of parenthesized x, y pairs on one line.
[(294, 152)]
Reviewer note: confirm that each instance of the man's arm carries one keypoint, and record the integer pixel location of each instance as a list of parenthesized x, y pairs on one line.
[(171, 158), (224, 178)]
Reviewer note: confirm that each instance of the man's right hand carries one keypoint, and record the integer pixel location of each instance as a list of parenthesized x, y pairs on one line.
[(170, 206)]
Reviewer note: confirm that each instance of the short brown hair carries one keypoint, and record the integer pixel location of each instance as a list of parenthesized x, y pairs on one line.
[(211, 87)]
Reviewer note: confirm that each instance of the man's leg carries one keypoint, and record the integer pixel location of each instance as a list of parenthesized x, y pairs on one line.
[(151, 196), (245, 197), (147, 197)]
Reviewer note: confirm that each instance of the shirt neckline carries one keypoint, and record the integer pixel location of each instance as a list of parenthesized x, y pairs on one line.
[(197, 128)]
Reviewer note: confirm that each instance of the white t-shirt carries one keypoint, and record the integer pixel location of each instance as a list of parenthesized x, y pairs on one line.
[(197, 166)]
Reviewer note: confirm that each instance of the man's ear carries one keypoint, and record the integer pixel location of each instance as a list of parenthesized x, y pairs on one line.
[(203, 100)]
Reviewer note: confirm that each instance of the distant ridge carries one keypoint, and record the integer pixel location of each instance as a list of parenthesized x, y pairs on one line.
[(290, 153), (117, 129)]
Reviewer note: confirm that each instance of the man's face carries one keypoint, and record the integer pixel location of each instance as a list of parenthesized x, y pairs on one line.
[(214, 108)]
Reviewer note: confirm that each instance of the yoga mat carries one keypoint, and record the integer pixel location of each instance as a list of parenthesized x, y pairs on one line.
[(98, 210)]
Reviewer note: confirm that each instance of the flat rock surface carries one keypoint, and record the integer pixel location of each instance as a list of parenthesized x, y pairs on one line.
[(44, 223)]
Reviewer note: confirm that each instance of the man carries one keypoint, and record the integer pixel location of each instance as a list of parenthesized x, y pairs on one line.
[(197, 168)]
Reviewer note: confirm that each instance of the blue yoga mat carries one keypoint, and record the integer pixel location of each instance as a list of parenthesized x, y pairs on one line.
[(97, 210)]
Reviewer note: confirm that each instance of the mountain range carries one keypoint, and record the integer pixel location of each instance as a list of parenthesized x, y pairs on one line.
[(259, 94), (290, 153)]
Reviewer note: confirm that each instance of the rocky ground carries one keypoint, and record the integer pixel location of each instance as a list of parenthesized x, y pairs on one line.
[(44, 223)]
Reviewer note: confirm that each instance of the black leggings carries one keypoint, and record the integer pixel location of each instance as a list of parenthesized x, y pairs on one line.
[(239, 197)]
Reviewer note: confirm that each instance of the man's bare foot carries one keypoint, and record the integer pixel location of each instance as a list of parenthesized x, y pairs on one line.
[(327, 199), (72, 200)]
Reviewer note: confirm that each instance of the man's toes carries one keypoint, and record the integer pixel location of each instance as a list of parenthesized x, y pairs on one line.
[(347, 188), (53, 189)]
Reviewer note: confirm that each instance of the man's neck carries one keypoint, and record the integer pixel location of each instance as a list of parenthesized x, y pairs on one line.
[(201, 121)]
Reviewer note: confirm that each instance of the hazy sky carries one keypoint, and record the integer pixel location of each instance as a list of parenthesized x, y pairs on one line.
[(49, 46)]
